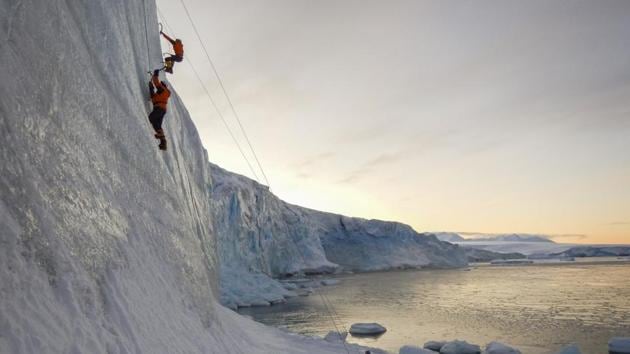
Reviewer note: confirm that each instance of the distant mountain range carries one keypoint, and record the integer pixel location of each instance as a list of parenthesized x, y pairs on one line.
[(463, 237), (507, 246)]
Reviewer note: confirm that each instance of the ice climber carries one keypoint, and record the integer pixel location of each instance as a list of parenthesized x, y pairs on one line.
[(178, 48), (159, 96)]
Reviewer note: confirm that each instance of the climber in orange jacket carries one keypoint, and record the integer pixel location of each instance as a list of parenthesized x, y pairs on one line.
[(178, 47), (160, 94)]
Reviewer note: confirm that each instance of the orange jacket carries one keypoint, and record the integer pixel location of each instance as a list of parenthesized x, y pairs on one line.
[(160, 98), (178, 46)]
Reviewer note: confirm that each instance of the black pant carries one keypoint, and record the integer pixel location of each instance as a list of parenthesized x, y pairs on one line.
[(156, 117)]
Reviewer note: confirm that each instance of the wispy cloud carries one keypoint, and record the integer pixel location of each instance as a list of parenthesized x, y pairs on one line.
[(371, 165), (366, 134), (472, 233), (567, 237), (303, 175), (352, 178), (382, 159), (619, 223), (309, 161)]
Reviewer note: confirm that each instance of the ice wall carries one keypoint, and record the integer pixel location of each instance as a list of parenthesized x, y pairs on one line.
[(106, 243), (367, 245), (260, 232), (261, 237)]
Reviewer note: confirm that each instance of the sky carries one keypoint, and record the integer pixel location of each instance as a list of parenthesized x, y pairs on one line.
[(467, 116)]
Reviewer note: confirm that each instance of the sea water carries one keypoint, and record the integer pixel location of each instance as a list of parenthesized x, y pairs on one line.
[(536, 308)]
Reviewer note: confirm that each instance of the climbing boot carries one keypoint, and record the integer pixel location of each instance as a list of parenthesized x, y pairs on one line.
[(159, 134), (162, 145)]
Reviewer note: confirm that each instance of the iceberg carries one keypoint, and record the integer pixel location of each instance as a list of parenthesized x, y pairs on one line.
[(460, 347), (500, 348), (619, 345), (434, 345), (367, 329), (410, 349), (570, 349)]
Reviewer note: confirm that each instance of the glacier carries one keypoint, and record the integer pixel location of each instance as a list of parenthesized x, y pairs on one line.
[(262, 238), (108, 244)]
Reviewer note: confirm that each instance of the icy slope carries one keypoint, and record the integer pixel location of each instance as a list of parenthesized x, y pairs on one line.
[(260, 236), (106, 243)]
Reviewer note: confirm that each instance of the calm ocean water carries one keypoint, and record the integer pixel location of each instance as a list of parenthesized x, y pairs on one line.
[(537, 309)]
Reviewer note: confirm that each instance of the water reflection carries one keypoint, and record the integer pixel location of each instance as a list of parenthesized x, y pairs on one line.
[(536, 308)]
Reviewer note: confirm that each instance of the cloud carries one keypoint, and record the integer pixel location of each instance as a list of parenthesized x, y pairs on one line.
[(567, 237), (619, 223), (356, 175), (368, 134), (382, 159), (353, 177), (370, 165), (303, 175), (315, 159), (349, 179)]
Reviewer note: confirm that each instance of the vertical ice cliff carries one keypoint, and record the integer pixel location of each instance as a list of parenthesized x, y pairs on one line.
[(368, 245), (259, 231), (100, 228), (106, 243), (261, 237)]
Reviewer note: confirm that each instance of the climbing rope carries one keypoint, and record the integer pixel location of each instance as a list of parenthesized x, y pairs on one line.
[(214, 105), (223, 120), (225, 93), (329, 308), (327, 304), (146, 34)]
